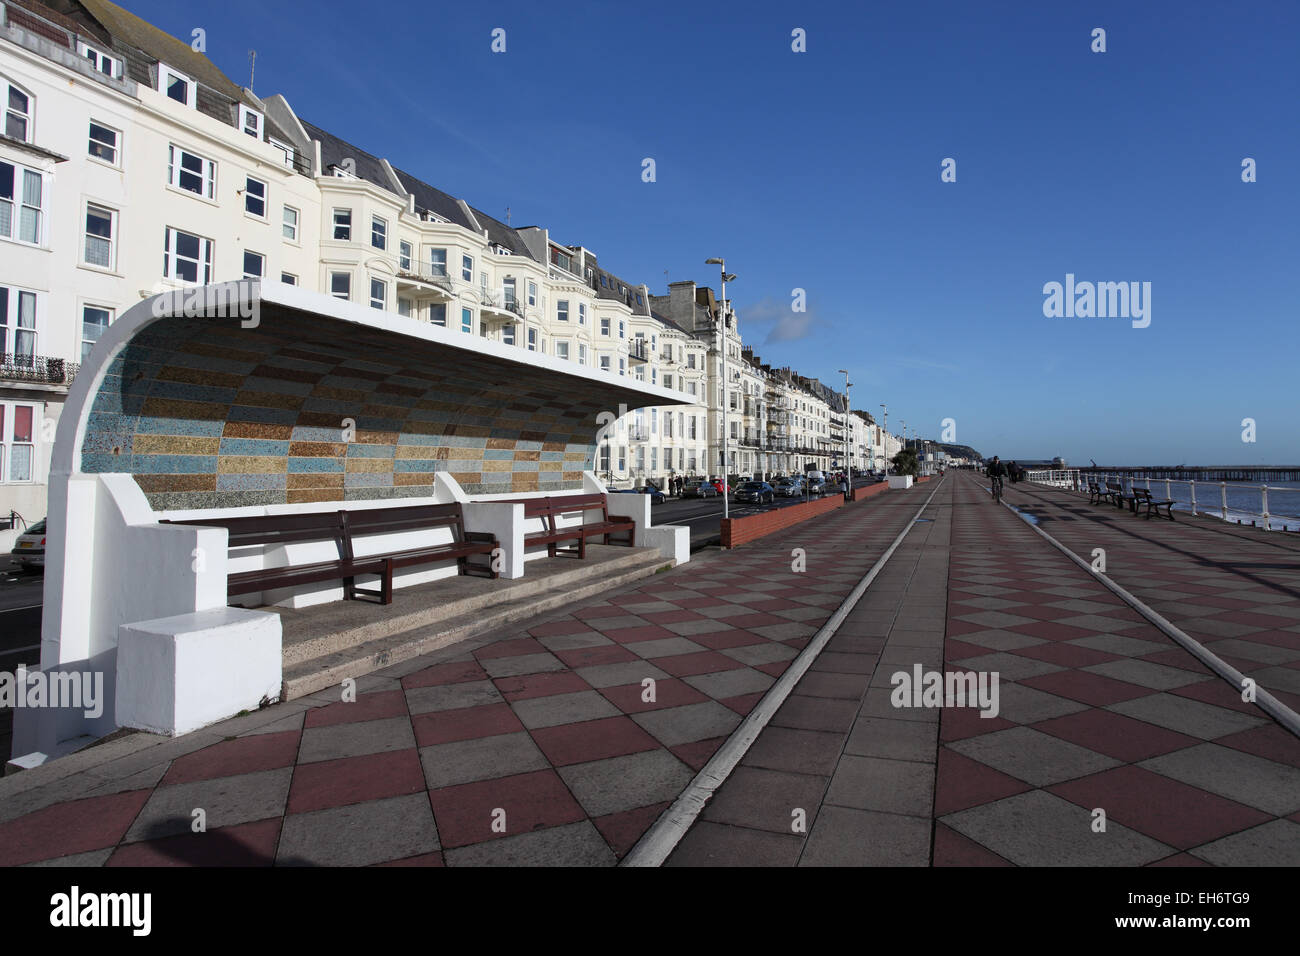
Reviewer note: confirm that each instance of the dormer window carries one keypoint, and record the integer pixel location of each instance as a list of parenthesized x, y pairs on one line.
[(177, 86), (250, 121), (18, 112), (108, 65)]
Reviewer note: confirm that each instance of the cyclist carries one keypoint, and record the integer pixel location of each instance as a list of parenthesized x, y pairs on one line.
[(996, 471)]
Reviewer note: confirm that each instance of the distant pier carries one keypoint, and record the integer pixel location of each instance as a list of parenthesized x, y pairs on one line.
[(1250, 473)]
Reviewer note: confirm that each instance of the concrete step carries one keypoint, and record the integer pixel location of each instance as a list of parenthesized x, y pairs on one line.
[(316, 631), (435, 628)]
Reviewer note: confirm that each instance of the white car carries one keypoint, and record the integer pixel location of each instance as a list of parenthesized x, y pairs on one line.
[(29, 548)]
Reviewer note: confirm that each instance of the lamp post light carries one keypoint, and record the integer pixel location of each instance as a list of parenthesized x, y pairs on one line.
[(726, 381)]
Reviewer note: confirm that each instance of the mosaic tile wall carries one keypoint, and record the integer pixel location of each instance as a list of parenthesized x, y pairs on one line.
[(206, 414)]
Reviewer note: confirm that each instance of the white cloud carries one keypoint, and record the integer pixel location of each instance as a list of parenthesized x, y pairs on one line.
[(781, 322)]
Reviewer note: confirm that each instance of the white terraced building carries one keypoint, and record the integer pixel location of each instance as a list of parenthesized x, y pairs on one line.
[(131, 165)]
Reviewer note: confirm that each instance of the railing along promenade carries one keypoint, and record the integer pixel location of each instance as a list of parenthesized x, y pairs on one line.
[(1185, 495)]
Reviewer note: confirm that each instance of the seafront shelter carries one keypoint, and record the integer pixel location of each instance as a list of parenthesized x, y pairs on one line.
[(244, 399)]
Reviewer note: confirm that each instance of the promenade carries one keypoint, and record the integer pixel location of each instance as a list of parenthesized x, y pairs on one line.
[(562, 742)]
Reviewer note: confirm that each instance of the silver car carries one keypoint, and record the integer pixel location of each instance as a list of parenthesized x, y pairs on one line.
[(29, 548)]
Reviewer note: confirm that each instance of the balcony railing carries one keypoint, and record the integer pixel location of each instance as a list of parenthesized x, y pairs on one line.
[(636, 350), (426, 274), (38, 369), (638, 433)]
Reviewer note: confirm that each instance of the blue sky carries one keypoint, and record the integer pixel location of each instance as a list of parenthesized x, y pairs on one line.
[(821, 171)]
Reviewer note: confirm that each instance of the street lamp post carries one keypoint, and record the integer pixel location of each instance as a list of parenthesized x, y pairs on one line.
[(884, 440), (848, 462), (726, 383)]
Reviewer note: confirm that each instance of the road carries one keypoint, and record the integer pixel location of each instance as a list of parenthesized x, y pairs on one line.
[(20, 630), (704, 515)]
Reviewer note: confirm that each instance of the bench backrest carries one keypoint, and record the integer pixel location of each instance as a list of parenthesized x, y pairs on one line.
[(337, 526), (1114, 486), (1142, 493), (405, 518), (274, 529), (566, 504)]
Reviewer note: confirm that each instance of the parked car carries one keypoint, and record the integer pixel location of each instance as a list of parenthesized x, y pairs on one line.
[(789, 488), (699, 488), (29, 548), (657, 497), (816, 486), (721, 486), (759, 492)]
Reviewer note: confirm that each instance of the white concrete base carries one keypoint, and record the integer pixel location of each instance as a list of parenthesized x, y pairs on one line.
[(900, 481), (177, 674), (672, 540)]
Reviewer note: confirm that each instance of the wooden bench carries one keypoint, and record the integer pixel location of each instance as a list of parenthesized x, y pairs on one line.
[(1095, 494), (552, 535), (341, 527), (1115, 495), (1152, 505)]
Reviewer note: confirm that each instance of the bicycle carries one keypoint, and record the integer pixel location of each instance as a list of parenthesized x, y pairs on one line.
[(995, 488)]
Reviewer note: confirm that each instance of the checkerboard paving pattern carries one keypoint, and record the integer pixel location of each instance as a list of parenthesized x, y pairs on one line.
[(1237, 591), (534, 745), (1098, 710)]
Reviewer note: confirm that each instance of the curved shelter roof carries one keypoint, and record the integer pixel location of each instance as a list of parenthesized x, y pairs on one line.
[(247, 394)]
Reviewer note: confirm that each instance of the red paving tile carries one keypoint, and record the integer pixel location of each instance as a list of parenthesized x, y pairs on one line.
[(245, 844), (668, 693), (67, 828), (336, 783), (645, 632), (1174, 813), (700, 662), (1219, 693), (232, 757), (1180, 859), (1115, 735), (466, 723), (456, 672), (962, 783), (719, 640), (622, 830), (556, 628), (376, 706), (531, 801), (953, 849), (546, 684), (1051, 631), (958, 723), (516, 648), (423, 859), (754, 620), (1066, 655), (744, 703), (695, 755), (591, 656), (592, 740), (1087, 688), (672, 617), (1270, 742), (598, 611)]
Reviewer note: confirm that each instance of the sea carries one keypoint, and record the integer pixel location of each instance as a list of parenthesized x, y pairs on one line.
[(1244, 501)]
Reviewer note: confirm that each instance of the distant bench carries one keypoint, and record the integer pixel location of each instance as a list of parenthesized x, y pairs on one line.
[(341, 527), (549, 508), (1142, 498)]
